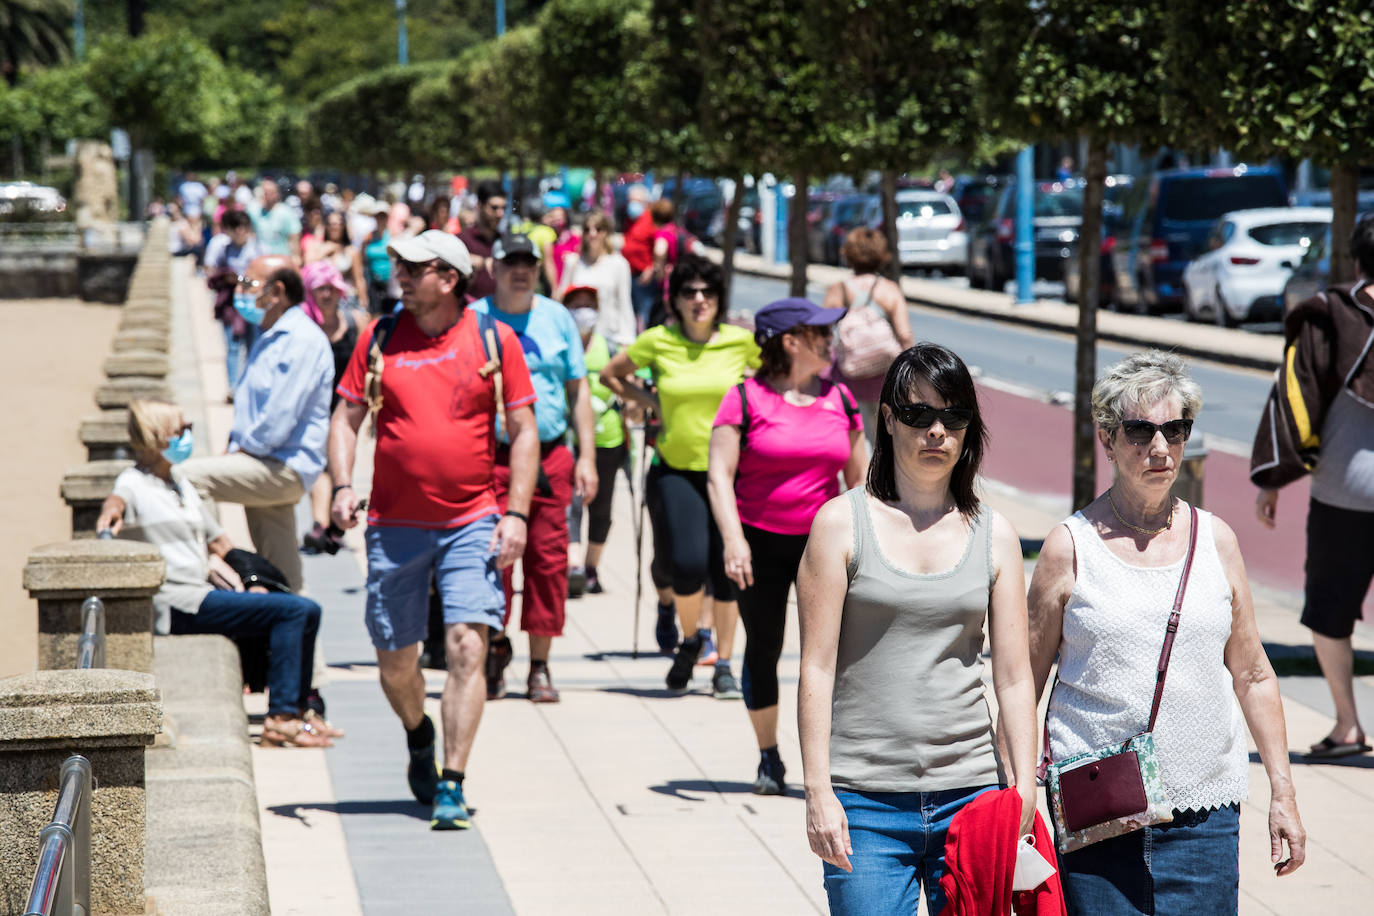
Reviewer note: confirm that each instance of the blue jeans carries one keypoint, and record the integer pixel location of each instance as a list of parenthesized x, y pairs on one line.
[(899, 845), (290, 623), (1189, 866), (236, 352)]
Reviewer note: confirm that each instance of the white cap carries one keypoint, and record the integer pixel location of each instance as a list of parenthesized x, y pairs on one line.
[(432, 244), (367, 205)]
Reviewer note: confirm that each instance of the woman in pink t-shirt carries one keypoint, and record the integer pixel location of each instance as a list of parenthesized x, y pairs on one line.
[(781, 440)]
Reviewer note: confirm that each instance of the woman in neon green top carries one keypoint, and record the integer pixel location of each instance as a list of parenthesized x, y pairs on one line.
[(582, 301), (694, 363)]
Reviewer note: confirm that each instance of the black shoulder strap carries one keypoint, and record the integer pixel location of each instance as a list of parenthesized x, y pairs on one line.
[(851, 409), (485, 323), (743, 415)]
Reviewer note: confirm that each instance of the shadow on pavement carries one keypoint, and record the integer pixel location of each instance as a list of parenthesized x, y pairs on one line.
[(676, 788), (1291, 660), (403, 806), (623, 653), (662, 693), (1355, 761)]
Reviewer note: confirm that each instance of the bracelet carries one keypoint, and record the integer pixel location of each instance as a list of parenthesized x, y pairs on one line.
[(342, 486), (520, 515)]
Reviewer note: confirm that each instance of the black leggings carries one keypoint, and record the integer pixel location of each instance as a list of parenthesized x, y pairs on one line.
[(608, 463), (686, 539), (763, 608)]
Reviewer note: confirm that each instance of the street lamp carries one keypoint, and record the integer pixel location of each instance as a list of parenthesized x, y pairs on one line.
[(402, 49)]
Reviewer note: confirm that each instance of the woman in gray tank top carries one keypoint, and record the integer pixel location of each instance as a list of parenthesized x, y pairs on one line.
[(895, 587)]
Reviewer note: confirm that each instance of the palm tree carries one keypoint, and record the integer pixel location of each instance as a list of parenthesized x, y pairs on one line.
[(35, 34)]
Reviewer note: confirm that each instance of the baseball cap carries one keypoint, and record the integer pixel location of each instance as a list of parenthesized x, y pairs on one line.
[(513, 243), (432, 244), (596, 294), (785, 314)]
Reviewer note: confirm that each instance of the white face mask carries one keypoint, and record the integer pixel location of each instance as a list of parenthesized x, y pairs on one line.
[(585, 318)]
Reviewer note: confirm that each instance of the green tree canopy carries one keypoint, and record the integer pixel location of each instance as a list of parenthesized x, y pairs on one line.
[(33, 33)]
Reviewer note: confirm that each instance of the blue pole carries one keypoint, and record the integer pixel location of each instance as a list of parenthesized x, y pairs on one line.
[(500, 17), (780, 252), (1025, 230), (79, 30), (402, 46)]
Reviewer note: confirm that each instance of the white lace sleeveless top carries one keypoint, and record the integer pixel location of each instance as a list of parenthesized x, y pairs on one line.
[(1113, 631)]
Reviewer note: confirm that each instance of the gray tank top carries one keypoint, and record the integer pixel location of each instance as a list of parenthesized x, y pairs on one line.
[(909, 713)]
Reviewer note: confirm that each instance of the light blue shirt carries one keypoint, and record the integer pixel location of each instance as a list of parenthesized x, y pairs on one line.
[(553, 352), (281, 404), (274, 227)]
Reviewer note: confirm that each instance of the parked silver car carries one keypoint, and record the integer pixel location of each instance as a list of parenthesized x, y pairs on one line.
[(931, 233)]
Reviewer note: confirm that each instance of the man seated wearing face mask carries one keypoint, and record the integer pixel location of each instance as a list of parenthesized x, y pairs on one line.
[(153, 502), (281, 414)]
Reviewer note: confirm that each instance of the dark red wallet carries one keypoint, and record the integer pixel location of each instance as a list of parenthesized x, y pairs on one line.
[(1101, 791)]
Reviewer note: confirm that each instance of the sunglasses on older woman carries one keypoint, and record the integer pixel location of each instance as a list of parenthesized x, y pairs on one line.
[(923, 416), (1142, 432)]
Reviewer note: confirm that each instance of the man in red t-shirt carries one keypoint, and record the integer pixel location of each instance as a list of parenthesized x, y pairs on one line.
[(433, 513)]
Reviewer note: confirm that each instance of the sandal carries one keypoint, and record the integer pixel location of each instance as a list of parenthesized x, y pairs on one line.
[(1329, 747), (319, 725), (282, 732)]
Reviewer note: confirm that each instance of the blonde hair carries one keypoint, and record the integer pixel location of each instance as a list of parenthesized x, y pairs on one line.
[(598, 220), (152, 422), (1142, 380)]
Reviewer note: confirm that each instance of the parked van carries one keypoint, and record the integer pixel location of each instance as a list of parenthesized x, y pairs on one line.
[(1167, 222)]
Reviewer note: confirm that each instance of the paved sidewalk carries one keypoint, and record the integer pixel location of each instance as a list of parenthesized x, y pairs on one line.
[(624, 799)]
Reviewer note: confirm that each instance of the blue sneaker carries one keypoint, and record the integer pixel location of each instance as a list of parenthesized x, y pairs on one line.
[(450, 810)]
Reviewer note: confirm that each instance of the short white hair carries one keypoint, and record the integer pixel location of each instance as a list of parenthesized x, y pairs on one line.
[(1142, 380)]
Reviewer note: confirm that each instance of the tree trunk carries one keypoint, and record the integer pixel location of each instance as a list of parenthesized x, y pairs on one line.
[(1345, 181), (679, 193), (731, 237), (1085, 361), (597, 182), (893, 270), (796, 234), (516, 204), (16, 156), (133, 16)]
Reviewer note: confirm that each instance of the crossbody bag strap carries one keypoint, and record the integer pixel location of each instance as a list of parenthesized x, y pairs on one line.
[(1162, 669), (1172, 629)]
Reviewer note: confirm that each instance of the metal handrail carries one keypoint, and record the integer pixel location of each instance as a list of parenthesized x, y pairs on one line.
[(62, 881), (90, 648)]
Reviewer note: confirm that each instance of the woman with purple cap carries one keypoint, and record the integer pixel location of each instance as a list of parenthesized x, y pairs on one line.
[(780, 443), (325, 290)]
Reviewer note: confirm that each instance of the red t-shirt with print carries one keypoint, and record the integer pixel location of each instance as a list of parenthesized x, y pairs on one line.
[(435, 441)]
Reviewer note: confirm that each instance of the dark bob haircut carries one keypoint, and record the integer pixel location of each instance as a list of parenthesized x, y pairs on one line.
[(944, 371), (691, 268)]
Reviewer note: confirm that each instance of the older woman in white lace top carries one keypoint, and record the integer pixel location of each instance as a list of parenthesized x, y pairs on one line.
[(1100, 598)]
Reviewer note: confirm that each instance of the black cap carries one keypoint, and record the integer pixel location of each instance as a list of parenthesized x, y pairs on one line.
[(513, 243)]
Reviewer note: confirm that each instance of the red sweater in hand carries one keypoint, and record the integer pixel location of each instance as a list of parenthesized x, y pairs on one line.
[(980, 858)]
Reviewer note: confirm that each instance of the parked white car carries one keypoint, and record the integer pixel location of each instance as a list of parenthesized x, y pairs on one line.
[(931, 232), (1252, 254)]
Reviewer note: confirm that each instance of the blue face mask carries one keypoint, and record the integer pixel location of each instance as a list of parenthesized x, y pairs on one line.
[(179, 448), (247, 307), (634, 209)]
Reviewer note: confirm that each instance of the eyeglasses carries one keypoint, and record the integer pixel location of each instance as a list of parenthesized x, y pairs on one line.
[(1142, 432), (691, 292), (416, 268), (247, 283), (923, 416)]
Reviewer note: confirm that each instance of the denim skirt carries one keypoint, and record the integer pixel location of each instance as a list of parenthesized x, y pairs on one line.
[(1188, 867)]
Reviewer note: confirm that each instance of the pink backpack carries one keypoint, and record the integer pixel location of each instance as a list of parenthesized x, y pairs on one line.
[(865, 344)]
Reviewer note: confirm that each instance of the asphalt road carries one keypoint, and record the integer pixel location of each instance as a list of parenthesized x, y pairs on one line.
[(1040, 363)]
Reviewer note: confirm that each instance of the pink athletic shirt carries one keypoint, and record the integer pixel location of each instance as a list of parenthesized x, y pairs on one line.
[(792, 456)]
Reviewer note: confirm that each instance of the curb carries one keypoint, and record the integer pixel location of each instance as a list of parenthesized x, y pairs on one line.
[(1219, 345)]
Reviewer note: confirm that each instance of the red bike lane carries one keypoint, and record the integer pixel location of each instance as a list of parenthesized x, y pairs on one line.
[(1031, 449)]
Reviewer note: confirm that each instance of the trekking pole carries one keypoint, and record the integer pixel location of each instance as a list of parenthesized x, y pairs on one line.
[(639, 532)]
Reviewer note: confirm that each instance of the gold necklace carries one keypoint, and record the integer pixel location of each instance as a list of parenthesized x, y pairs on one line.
[(1167, 525)]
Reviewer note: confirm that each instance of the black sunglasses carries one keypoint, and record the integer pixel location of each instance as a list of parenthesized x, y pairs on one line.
[(923, 416), (1142, 432)]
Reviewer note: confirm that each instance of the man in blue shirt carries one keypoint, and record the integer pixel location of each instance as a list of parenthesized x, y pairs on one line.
[(553, 353), (276, 225), (281, 414)]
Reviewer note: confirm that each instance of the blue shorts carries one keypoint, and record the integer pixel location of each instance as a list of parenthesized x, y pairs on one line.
[(400, 564)]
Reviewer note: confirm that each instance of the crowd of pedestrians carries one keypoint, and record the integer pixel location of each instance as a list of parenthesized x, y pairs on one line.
[(512, 364)]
